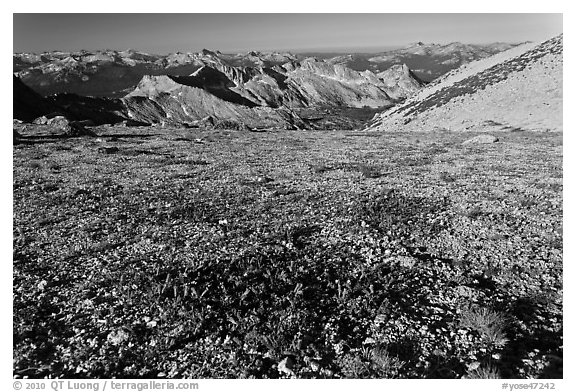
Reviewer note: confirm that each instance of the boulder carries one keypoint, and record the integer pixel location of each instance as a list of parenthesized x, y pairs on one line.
[(58, 122), (16, 136), (206, 122), (70, 128), (481, 139), (231, 125), (86, 123), (41, 120), (134, 123), (285, 366)]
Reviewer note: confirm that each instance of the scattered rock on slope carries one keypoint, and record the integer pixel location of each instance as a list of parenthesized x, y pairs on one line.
[(520, 89)]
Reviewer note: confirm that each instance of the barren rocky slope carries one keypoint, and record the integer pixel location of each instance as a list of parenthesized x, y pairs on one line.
[(160, 99), (520, 89)]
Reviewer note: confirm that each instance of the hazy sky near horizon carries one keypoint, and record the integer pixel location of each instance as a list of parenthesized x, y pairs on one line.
[(166, 33)]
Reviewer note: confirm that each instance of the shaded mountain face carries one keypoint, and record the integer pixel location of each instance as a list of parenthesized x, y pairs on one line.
[(28, 104), (115, 73), (520, 89)]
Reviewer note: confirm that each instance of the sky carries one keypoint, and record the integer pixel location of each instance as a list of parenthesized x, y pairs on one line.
[(230, 33)]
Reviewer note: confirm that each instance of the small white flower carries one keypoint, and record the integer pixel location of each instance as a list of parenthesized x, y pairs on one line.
[(285, 366), (42, 285)]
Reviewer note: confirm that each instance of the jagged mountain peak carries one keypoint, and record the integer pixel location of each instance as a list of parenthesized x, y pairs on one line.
[(401, 81), (206, 52)]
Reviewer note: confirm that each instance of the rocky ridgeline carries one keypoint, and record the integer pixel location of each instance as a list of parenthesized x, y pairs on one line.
[(162, 100), (259, 97), (112, 73), (516, 90), (116, 73), (430, 61)]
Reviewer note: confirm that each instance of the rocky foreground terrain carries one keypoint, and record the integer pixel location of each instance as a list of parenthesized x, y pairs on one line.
[(173, 252), (202, 253)]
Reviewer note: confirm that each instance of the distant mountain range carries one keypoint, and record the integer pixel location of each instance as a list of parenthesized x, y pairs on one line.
[(253, 90), (115, 73), (427, 61), (247, 90)]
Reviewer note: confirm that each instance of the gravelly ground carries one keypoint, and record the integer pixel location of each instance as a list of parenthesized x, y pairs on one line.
[(189, 253)]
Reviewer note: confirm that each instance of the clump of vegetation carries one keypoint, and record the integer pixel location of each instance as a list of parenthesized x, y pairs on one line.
[(369, 171), (483, 372), (320, 168), (488, 323), (472, 213), (447, 177)]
